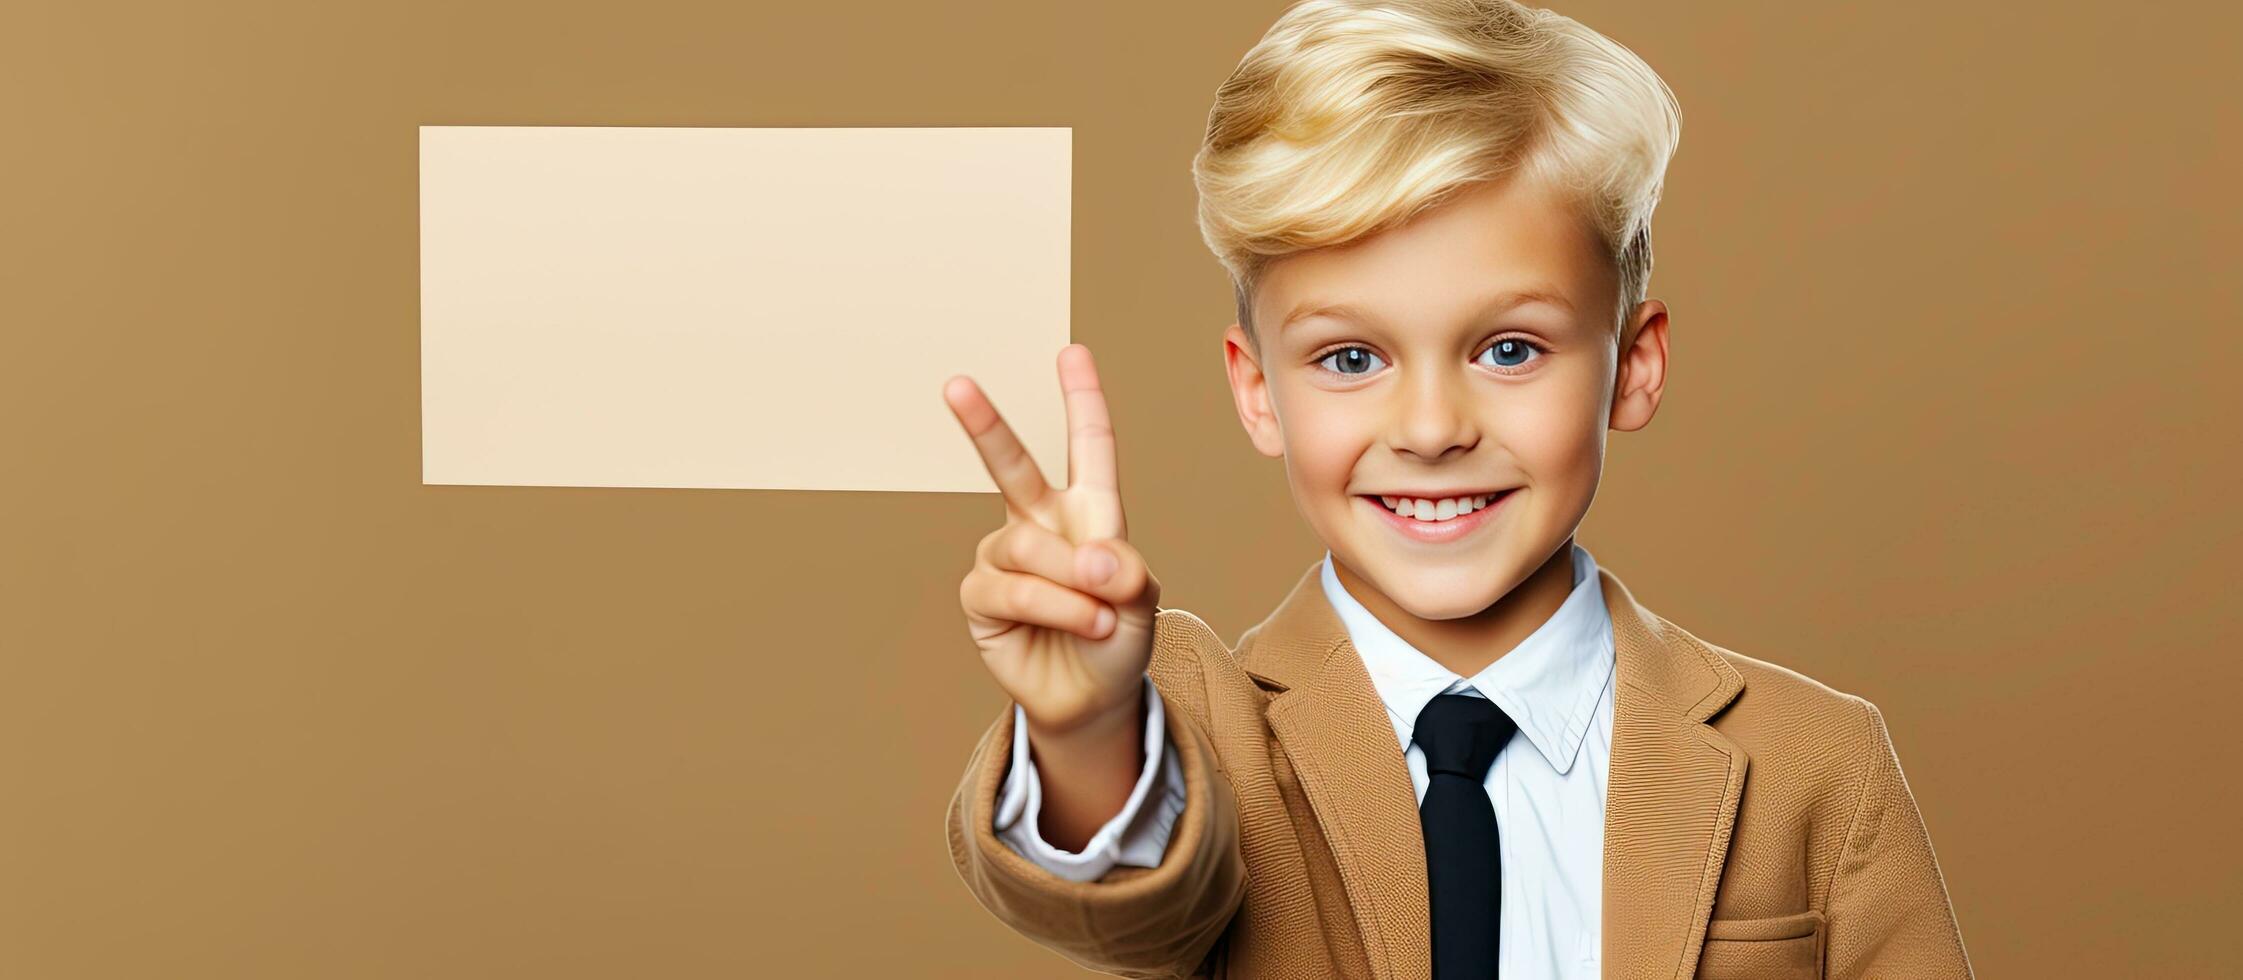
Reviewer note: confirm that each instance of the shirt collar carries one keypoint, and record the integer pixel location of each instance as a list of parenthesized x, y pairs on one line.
[(1548, 684)]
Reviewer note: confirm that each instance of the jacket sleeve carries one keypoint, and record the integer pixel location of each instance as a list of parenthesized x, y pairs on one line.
[(1136, 836), (1133, 922), (1889, 911)]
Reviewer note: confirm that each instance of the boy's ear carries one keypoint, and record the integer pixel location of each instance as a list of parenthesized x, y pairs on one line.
[(1642, 372), (1250, 392)]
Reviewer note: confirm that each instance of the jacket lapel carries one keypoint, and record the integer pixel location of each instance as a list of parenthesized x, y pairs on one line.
[(1672, 796), (1334, 730), (1670, 803)]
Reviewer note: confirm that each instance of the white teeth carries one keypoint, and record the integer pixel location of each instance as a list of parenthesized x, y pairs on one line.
[(1433, 512)]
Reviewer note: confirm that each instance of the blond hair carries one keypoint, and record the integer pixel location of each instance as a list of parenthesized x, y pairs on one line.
[(1349, 117)]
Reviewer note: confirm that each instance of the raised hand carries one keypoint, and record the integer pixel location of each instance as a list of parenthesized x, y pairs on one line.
[(1060, 603)]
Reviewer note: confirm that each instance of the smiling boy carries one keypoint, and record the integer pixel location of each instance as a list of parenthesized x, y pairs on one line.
[(1458, 747)]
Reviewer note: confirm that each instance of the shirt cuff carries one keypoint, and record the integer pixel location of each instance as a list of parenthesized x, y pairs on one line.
[(1137, 836)]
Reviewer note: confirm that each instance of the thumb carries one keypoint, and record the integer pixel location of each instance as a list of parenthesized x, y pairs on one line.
[(1131, 588)]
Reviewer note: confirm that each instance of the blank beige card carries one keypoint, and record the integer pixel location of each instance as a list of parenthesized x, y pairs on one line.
[(738, 308)]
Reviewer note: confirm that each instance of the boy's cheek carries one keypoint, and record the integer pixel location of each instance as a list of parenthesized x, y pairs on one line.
[(1557, 444)]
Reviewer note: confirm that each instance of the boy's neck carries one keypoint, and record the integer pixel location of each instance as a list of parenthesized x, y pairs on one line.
[(1467, 645)]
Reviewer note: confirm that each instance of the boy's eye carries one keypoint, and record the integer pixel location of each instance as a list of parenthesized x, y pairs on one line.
[(1352, 357), (1513, 351)]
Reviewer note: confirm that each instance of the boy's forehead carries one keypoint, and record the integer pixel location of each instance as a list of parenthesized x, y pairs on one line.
[(1494, 248)]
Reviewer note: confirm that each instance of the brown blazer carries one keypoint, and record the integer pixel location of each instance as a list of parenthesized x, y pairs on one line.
[(1756, 822)]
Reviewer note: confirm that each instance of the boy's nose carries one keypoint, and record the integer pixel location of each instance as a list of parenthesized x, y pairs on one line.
[(1434, 417)]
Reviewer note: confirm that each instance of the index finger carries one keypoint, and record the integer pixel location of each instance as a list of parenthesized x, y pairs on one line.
[(1008, 462)]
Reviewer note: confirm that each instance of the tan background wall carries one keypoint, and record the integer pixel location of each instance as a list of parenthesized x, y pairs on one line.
[(1951, 425)]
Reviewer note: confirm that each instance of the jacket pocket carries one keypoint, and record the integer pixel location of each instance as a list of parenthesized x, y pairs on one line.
[(1783, 947)]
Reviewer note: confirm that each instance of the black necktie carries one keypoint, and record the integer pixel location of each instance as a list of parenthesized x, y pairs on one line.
[(1463, 870)]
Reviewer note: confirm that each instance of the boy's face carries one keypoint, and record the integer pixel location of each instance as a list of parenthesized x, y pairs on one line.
[(1437, 379)]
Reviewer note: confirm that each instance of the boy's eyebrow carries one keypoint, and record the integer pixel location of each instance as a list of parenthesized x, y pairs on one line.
[(1495, 304)]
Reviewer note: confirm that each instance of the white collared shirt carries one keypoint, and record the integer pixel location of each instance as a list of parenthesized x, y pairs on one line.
[(1547, 785)]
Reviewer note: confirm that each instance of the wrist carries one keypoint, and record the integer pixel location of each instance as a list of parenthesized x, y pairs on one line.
[(1090, 733), (1088, 772)]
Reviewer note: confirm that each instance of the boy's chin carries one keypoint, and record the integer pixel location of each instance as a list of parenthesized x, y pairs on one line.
[(1432, 592)]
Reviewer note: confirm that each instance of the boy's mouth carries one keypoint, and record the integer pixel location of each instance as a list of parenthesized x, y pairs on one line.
[(1445, 519), (1436, 509)]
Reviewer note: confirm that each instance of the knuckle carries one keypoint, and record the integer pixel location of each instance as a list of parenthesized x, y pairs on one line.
[(1004, 546), (1021, 592)]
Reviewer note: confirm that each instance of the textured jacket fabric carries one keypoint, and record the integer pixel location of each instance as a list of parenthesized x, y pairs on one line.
[(1757, 822)]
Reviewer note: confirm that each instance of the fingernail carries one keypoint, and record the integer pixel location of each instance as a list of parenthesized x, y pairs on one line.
[(1101, 566), (1103, 622)]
